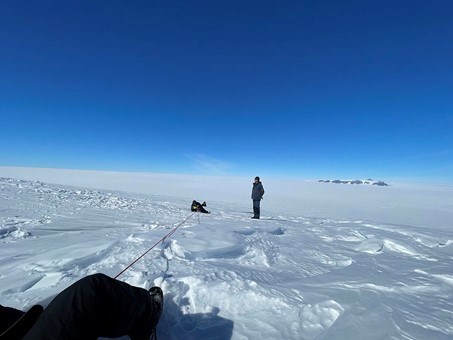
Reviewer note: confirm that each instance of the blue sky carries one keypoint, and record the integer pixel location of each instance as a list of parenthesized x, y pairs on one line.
[(309, 89)]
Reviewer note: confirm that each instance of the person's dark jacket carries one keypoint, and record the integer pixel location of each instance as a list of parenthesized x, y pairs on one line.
[(197, 206), (257, 191)]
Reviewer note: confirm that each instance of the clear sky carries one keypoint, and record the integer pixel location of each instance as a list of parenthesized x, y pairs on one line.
[(309, 89)]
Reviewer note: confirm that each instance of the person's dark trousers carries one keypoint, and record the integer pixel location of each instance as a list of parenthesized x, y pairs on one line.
[(97, 306), (256, 208)]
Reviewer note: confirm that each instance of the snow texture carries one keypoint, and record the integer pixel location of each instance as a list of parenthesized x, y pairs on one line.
[(290, 275)]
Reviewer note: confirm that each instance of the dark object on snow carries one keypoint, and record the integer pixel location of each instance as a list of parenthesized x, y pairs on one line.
[(8, 316), (99, 306), (14, 323), (257, 196), (197, 206)]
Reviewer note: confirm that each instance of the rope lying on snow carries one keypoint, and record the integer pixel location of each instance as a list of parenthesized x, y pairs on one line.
[(155, 244)]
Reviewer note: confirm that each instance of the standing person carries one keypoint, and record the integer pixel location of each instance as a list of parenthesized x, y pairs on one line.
[(257, 196)]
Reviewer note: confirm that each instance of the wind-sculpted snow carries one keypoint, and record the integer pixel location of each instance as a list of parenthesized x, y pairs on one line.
[(224, 275)]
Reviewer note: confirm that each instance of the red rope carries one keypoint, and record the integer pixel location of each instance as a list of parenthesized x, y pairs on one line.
[(155, 244)]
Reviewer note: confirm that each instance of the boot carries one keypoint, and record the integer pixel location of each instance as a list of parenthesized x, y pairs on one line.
[(255, 213), (158, 297)]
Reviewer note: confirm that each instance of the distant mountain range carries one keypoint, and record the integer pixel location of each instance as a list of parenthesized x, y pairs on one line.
[(357, 181)]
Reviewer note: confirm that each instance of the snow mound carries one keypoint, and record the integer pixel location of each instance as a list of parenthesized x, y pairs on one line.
[(371, 246)]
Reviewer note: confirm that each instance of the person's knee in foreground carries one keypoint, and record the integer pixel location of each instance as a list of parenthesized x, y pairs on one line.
[(99, 306)]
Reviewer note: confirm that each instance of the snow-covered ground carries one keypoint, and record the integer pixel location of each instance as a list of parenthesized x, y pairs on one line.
[(324, 262)]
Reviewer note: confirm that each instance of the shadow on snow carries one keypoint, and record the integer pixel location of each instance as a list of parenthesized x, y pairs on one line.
[(176, 325)]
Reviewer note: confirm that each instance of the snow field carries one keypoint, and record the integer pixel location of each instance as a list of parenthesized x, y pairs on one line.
[(224, 275)]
